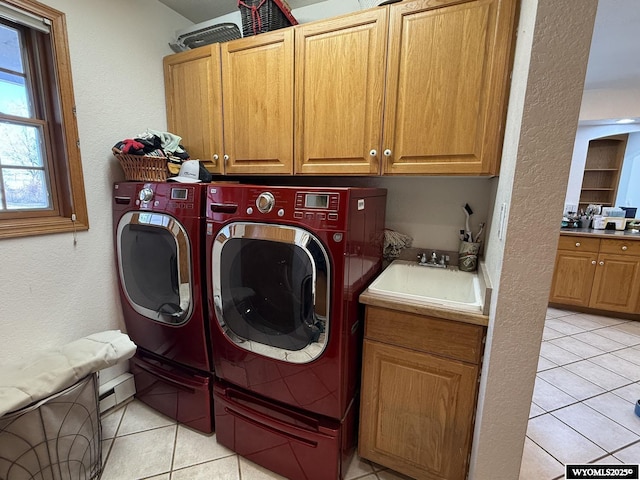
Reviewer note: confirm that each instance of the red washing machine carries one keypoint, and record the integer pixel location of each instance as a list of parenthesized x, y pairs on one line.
[(285, 266), (159, 235)]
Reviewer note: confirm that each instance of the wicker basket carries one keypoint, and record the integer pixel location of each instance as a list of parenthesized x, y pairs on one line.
[(143, 168), (259, 16)]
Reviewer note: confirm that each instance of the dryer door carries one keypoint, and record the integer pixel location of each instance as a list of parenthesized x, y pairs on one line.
[(154, 263), (270, 290)]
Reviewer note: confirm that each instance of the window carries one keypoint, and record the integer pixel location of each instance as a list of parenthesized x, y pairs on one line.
[(41, 183)]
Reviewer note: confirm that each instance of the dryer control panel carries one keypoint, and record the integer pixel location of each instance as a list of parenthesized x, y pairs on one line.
[(167, 197)]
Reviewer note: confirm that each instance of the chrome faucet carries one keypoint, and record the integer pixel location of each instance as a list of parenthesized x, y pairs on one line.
[(433, 261)]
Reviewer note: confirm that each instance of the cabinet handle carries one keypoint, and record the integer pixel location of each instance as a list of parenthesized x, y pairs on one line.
[(226, 159), (216, 156), (593, 262), (577, 244), (215, 160), (373, 153), (624, 248), (601, 262), (387, 153)]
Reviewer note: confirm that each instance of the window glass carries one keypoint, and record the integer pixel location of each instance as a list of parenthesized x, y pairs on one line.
[(14, 97), (10, 56), (25, 188), (21, 145), (22, 169)]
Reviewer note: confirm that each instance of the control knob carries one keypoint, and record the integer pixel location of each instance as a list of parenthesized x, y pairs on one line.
[(145, 195), (265, 202)]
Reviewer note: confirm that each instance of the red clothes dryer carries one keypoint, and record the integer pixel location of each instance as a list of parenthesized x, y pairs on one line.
[(159, 234), (285, 266)]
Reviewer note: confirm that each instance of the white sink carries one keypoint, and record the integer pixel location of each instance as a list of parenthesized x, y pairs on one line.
[(447, 287)]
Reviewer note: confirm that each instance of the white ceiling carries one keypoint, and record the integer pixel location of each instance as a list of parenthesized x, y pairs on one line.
[(614, 60), (615, 51)]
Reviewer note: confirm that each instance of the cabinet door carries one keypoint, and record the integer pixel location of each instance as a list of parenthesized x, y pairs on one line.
[(257, 81), (417, 411), (447, 86), (340, 68), (617, 283), (194, 102), (573, 277)]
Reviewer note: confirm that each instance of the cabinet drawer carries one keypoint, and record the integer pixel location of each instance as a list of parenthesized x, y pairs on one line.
[(579, 243), (620, 247), (456, 340)]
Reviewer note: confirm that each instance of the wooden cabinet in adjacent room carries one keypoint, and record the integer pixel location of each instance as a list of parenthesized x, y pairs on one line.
[(194, 103), (419, 393), (602, 274)]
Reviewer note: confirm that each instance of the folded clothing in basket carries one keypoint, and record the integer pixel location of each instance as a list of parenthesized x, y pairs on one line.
[(54, 370)]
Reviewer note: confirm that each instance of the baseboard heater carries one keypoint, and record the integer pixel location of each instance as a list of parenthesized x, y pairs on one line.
[(116, 391)]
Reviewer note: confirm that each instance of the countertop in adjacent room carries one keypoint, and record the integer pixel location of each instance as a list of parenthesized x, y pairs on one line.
[(626, 234)]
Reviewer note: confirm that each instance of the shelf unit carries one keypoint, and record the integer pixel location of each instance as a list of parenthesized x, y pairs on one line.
[(602, 171)]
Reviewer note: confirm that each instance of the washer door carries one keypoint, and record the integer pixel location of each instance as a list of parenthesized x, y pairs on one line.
[(270, 290), (154, 263)]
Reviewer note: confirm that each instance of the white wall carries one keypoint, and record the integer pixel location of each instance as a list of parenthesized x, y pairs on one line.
[(52, 291), (629, 187)]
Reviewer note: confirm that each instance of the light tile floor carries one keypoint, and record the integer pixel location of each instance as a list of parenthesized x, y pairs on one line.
[(584, 398), (140, 443)]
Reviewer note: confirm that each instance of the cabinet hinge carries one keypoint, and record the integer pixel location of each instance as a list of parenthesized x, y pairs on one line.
[(75, 112)]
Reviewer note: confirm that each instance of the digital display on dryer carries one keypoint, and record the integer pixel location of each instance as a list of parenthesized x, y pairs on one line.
[(179, 194), (316, 201)]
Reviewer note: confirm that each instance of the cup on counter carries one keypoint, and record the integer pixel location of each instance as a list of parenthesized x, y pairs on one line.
[(585, 221), (468, 256)]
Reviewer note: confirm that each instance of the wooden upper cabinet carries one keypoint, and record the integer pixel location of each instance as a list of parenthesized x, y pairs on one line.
[(194, 102), (257, 80), (446, 87), (340, 69)]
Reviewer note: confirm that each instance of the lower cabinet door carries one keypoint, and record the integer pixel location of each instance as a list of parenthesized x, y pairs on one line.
[(417, 411), (616, 286), (573, 278)]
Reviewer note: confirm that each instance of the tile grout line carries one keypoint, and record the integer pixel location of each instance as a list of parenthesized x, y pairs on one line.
[(113, 440), (173, 453)]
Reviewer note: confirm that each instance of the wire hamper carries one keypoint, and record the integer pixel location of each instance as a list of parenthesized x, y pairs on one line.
[(57, 438), (259, 16), (143, 168)]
